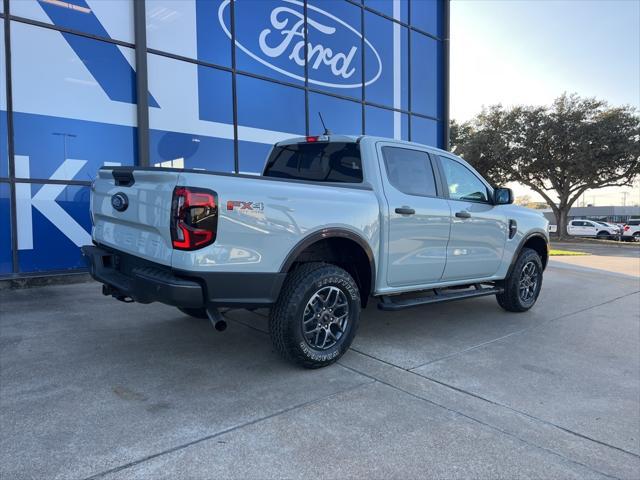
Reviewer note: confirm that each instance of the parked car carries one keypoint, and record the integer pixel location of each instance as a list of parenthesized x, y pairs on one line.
[(631, 230), (332, 222), (590, 228), (615, 228)]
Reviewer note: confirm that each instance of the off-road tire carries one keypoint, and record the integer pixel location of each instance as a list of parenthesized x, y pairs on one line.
[(510, 299), (194, 312), (286, 316)]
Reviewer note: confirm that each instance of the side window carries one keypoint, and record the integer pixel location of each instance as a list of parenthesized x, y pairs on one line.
[(463, 183), (409, 171)]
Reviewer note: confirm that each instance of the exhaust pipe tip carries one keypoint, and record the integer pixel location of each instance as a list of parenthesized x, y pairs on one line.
[(216, 319)]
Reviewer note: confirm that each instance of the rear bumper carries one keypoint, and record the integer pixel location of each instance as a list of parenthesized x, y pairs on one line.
[(129, 277), (141, 281)]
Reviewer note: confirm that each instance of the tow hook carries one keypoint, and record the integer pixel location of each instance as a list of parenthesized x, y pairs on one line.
[(216, 319)]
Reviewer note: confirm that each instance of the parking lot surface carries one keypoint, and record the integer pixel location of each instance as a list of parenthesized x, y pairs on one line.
[(91, 387)]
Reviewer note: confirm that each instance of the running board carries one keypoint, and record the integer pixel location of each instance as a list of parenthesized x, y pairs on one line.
[(438, 295)]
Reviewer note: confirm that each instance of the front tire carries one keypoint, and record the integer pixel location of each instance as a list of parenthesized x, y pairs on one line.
[(316, 316), (522, 286), (602, 235)]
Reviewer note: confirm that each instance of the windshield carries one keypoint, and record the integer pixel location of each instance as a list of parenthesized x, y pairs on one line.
[(317, 161)]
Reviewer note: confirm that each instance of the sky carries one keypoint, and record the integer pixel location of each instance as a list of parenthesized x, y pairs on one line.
[(531, 51)]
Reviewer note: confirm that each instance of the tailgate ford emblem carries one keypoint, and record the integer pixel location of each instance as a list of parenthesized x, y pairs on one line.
[(120, 201)]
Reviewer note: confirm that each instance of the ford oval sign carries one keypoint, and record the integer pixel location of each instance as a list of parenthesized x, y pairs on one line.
[(332, 56), (120, 202)]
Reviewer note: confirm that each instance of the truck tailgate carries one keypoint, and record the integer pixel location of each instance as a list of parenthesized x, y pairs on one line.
[(143, 227)]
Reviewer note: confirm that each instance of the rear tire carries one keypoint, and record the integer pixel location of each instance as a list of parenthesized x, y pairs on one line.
[(316, 316), (522, 286), (194, 312), (602, 235)]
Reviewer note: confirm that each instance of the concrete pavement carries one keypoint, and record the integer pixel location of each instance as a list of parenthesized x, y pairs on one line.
[(623, 258), (90, 387)]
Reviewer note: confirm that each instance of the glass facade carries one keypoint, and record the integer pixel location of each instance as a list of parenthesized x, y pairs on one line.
[(225, 80)]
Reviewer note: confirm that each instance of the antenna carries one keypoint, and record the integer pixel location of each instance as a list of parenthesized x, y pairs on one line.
[(326, 130)]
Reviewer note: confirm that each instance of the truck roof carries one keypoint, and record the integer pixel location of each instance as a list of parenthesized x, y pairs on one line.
[(355, 138)]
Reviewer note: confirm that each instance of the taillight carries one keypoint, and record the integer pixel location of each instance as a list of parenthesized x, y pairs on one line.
[(194, 218), (312, 139), (626, 227)]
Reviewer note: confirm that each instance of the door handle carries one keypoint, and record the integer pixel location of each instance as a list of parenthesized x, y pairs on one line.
[(463, 214), (405, 210)]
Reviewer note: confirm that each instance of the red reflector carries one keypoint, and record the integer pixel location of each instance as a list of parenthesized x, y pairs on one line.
[(312, 139), (194, 218)]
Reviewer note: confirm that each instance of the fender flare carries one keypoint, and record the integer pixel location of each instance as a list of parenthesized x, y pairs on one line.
[(524, 240), (324, 234)]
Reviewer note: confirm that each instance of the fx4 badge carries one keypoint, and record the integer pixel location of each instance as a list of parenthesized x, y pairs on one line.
[(242, 205)]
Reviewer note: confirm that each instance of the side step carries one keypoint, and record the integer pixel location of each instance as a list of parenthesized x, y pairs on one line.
[(437, 295)]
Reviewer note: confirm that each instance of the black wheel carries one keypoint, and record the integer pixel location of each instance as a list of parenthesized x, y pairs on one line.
[(522, 286), (194, 312), (316, 316), (602, 235), (636, 237)]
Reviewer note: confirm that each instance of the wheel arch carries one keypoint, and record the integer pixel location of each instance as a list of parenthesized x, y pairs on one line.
[(536, 241), (340, 247)]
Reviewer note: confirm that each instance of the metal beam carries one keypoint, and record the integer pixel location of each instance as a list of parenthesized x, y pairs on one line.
[(142, 83)]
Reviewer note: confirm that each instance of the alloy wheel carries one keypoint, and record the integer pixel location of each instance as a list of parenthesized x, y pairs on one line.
[(325, 318), (529, 279)]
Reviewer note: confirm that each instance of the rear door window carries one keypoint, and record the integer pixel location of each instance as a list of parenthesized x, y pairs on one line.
[(317, 161), (409, 171)]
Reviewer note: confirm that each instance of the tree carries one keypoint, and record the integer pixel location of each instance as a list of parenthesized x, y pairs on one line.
[(560, 151)]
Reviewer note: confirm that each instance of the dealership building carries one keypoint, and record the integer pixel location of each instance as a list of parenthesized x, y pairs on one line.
[(200, 84)]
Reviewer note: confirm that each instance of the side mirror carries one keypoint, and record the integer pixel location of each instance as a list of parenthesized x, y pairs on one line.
[(502, 196)]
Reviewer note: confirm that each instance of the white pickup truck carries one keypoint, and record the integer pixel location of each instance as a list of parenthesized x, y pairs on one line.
[(331, 222)]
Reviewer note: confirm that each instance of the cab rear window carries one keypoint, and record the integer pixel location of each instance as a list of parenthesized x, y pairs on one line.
[(317, 161)]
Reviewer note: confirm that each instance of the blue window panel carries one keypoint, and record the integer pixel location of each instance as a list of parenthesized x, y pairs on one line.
[(4, 157), (105, 18), (71, 73), (169, 20), (74, 148), (342, 117), (335, 47), (270, 106), (6, 264), (381, 122), (392, 72), (427, 15), (51, 248), (262, 44), (215, 101), (213, 35), (426, 131), (396, 9), (426, 81), (252, 156), (4, 165), (181, 150)]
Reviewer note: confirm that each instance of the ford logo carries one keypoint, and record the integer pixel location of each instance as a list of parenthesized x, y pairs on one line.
[(120, 201), (282, 41)]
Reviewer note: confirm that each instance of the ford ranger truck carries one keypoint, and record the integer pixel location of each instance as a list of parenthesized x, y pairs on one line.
[(332, 223)]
